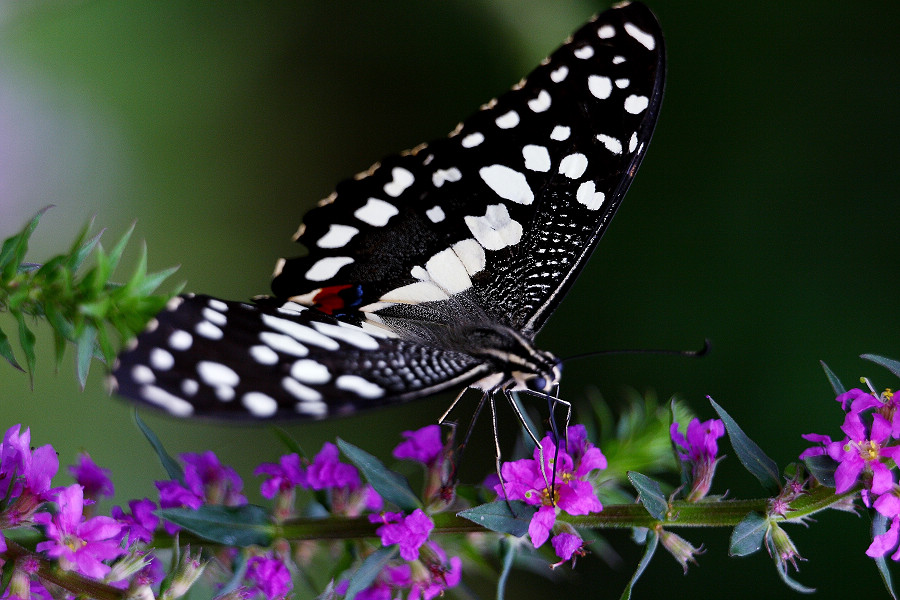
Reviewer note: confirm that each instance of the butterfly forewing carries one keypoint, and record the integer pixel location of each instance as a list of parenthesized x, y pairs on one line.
[(508, 207), (435, 268)]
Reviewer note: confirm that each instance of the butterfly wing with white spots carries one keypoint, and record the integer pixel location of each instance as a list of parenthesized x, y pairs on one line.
[(435, 268), (508, 208)]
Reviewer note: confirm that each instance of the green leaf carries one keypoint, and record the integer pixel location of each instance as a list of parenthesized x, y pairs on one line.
[(836, 384), (240, 526), (171, 466), (116, 253), (154, 280), (747, 537), (6, 351), (26, 341), (497, 516), (880, 526), (649, 494), (84, 351), (14, 248), (289, 442), (751, 456), (369, 570), (891, 365), (652, 542), (392, 486), (822, 467), (77, 258)]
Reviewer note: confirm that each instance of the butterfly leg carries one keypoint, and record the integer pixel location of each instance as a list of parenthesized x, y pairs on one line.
[(458, 452), (528, 430)]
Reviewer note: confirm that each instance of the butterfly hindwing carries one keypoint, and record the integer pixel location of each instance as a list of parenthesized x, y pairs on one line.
[(508, 208), (295, 362)]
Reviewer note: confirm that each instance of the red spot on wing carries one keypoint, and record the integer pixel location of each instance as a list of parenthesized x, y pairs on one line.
[(329, 300)]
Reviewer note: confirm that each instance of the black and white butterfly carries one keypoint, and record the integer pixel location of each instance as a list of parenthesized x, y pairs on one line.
[(436, 268)]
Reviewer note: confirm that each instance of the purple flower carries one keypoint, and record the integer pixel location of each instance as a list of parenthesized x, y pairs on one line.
[(888, 503), (864, 449), (410, 532), (140, 524), (567, 476), (566, 545), (423, 445), (206, 481), (430, 577), (217, 483), (857, 400), (283, 477), (25, 475), (93, 479), (269, 576), (887, 541), (698, 449), (326, 471), (79, 544)]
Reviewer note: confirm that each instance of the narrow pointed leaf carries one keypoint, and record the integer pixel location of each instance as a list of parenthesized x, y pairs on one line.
[(751, 456), (891, 365), (747, 537), (116, 253), (652, 543), (649, 494), (368, 571), (392, 486), (77, 258), (289, 442), (496, 516), (171, 466), (154, 280), (6, 351), (239, 526), (26, 341), (84, 351), (14, 248), (836, 384)]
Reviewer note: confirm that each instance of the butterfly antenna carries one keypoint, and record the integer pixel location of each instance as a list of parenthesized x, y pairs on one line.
[(706, 349)]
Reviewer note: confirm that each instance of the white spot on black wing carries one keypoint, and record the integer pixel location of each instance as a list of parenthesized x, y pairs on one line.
[(600, 86), (573, 165), (507, 120), (376, 212), (328, 267), (507, 183), (644, 38)]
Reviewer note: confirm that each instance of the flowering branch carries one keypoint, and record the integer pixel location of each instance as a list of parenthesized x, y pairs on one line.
[(396, 542)]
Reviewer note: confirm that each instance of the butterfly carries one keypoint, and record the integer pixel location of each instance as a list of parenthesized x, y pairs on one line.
[(436, 268)]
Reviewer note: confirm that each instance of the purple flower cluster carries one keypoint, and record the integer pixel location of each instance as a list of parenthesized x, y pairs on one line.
[(206, 481), (427, 570), (421, 580), (562, 485), (866, 456), (697, 449), (325, 473)]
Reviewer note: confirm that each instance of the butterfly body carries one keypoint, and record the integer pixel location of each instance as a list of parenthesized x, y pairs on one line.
[(436, 268)]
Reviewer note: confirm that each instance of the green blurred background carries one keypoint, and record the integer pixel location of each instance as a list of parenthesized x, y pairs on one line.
[(763, 217)]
